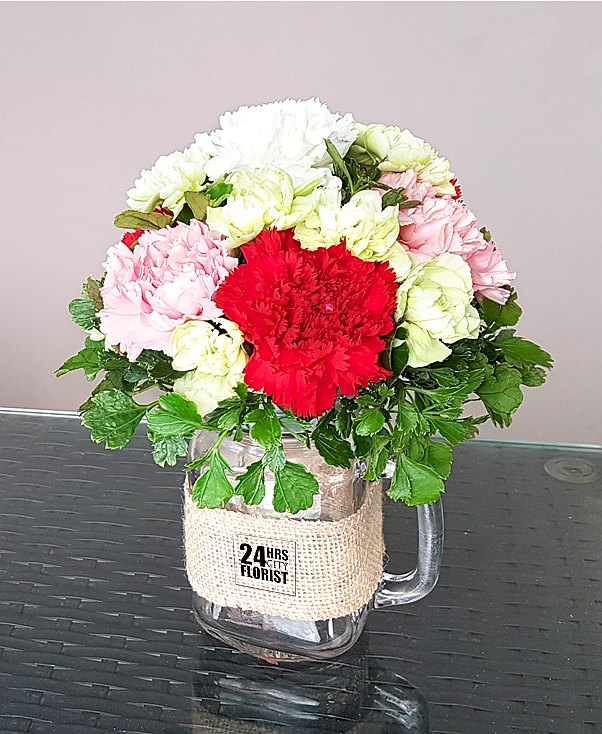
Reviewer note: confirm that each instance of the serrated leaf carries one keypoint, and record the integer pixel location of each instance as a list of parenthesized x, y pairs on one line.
[(501, 315), (175, 417), (380, 453), (454, 431), (131, 219), (501, 394), (89, 359), (213, 488), (343, 422), (91, 288), (415, 483), (83, 313), (265, 427), (370, 422), (274, 457), (113, 418), (198, 203), (294, 488), (167, 450), (332, 448), (532, 376), (251, 484), (439, 457), (522, 353)]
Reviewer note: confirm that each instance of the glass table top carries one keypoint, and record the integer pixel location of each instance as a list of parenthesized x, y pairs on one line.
[(97, 634)]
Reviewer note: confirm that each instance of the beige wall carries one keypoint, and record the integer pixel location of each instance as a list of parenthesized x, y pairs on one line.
[(92, 92)]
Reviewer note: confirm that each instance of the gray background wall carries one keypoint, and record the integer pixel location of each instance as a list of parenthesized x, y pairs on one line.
[(90, 93)]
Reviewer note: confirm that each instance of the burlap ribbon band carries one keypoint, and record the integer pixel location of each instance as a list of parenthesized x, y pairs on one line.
[(299, 569)]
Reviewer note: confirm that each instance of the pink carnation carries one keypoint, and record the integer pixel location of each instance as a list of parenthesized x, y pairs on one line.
[(169, 277), (490, 273), (443, 224)]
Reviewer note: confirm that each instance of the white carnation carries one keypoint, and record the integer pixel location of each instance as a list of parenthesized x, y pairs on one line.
[(168, 180), (434, 306), (261, 200), (289, 135), (369, 230), (212, 354)]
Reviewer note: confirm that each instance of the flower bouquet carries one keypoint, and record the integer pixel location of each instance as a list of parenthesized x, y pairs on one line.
[(309, 303), (297, 273)]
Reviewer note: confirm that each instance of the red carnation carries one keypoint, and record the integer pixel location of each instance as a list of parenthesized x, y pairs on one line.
[(457, 187), (316, 319), (129, 239)]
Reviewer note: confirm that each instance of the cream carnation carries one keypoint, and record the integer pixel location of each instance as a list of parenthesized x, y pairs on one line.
[(214, 357), (288, 134), (168, 180), (170, 276), (369, 230), (261, 200), (393, 149), (434, 306)]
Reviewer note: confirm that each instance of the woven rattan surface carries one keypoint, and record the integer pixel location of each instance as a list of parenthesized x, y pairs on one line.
[(96, 632)]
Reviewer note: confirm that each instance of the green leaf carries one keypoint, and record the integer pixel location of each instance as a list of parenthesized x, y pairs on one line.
[(251, 484), (294, 488), (265, 427), (91, 288), (399, 358), (89, 359), (454, 431), (226, 416), (332, 448), (198, 204), (219, 192), (175, 417), (167, 450), (370, 422), (213, 488), (415, 483), (532, 376), (523, 353), (131, 219), (378, 457), (496, 314), (83, 313), (439, 457), (486, 234), (407, 417), (113, 418), (339, 165), (274, 457), (343, 422), (501, 394)]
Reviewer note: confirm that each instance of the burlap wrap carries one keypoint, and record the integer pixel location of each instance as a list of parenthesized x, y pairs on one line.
[(337, 565)]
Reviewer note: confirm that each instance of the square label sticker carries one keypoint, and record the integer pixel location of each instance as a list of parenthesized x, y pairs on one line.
[(265, 563)]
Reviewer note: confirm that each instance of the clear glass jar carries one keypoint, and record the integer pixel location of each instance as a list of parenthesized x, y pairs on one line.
[(342, 493)]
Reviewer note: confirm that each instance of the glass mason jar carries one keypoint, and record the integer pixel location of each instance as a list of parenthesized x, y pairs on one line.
[(342, 493)]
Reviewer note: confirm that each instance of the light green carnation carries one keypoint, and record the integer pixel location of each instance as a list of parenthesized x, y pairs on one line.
[(393, 149), (260, 200), (213, 359), (369, 230), (434, 306)]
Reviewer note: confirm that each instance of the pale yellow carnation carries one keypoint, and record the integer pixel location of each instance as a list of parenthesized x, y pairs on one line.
[(261, 200), (434, 306), (393, 149), (212, 354), (369, 230)]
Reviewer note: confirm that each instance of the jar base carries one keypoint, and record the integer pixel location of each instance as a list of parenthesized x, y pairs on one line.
[(275, 639)]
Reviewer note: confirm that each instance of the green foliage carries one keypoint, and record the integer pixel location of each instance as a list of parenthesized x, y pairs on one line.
[(113, 417), (198, 203), (494, 314), (175, 417), (131, 219), (294, 488), (251, 484), (501, 394), (415, 483), (213, 488), (167, 450), (333, 448)]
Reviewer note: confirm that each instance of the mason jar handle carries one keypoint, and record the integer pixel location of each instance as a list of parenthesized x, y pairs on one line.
[(409, 587)]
